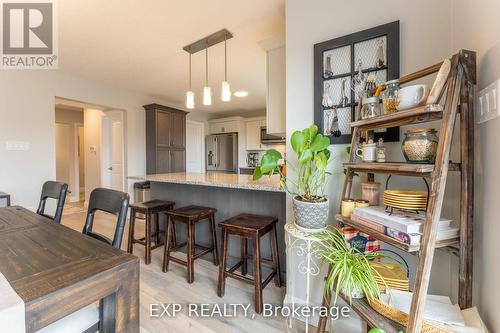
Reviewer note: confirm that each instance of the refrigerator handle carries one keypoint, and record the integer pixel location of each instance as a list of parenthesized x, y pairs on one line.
[(217, 152)]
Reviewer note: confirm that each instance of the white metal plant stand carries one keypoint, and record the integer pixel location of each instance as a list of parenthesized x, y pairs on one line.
[(301, 259)]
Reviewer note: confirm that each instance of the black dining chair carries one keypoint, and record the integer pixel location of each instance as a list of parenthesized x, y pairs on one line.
[(110, 201), (87, 319), (53, 190)]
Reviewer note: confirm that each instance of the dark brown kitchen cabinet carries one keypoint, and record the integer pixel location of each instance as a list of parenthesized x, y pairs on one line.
[(165, 139)]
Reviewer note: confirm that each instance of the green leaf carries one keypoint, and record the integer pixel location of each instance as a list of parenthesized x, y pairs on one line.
[(268, 163), (321, 161), (257, 173), (313, 130), (307, 134), (305, 156), (298, 142), (320, 143), (327, 154), (274, 154)]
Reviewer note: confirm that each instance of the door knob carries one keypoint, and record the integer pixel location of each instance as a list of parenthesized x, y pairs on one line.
[(110, 168)]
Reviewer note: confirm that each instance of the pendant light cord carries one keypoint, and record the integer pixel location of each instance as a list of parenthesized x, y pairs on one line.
[(189, 71), (225, 57), (206, 66)]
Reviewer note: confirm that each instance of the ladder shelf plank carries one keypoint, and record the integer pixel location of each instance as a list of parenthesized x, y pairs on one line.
[(401, 168), (416, 115), (389, 240)]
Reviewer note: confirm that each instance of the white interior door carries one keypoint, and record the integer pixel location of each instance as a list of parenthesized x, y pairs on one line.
[(117, 155), (195, 147), (112, 151)]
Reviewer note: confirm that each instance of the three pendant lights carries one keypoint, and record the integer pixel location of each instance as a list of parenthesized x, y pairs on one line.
[(207, 90)]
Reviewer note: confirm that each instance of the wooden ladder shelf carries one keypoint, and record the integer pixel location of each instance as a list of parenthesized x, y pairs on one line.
[(458, 103)]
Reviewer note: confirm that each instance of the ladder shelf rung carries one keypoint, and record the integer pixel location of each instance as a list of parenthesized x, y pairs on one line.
[(416, 115), (401, 168), (389, 240)]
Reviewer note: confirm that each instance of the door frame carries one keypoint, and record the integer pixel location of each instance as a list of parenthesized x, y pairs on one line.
[(75, 197), (106, 121), (202, 126)]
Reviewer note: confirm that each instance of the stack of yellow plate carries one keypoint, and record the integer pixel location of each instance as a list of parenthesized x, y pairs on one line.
[(394, 276), (406, 199)]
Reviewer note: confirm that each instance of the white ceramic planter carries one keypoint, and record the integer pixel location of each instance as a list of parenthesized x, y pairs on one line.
[(310, 217)]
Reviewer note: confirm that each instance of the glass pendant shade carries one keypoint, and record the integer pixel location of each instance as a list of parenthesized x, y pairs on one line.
[(207, 96), (226, 91), (190, 99)]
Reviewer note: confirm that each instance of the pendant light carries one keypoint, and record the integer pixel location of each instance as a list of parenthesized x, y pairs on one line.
[(207, 91), (190, 92), (226, 89)]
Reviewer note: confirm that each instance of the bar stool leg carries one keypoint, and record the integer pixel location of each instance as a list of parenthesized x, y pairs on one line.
[(276, 259), (221, 288), (174, 237), (244, 255), (166, 252), (147, 240), (190, 252), (215, 248), (131, 227), (157, 229), (257, 274)]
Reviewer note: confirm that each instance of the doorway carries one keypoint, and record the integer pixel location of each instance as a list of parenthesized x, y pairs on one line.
[(68, 135), (90, 149)]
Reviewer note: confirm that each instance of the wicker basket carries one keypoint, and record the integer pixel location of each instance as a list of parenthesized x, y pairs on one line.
[(402, 318)]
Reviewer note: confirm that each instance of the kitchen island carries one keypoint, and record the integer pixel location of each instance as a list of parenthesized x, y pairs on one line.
[(230, 194)]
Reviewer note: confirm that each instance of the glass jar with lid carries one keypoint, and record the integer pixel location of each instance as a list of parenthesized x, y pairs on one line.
[(371, 108), (390, 97), (420, 145)]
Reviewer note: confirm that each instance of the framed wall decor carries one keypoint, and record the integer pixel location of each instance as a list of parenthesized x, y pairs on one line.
[(347, 66)]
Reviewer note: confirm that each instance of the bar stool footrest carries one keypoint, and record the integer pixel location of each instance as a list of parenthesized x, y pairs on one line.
[(238, 276)]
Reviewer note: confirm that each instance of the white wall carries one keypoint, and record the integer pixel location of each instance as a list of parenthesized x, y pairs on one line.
[(92, 133), (27, 114), (476, 27)]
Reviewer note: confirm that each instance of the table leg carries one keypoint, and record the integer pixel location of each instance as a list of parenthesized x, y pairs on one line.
[(119, 312)]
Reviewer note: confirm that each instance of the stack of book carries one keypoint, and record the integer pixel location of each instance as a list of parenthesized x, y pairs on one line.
[(401, 225)]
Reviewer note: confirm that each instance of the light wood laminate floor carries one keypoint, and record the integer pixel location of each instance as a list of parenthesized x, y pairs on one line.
[(171, 287)]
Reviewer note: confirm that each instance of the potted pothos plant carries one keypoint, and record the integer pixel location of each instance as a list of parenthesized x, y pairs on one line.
[(351, 272), (310, 204)]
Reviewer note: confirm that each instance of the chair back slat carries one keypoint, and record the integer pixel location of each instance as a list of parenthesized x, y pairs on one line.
[(54, 190), (110, 201)]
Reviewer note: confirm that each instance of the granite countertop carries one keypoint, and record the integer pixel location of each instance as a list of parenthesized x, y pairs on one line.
[(218, 180)]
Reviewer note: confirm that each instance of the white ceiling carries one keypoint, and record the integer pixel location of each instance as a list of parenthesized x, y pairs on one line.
[(137, 45)]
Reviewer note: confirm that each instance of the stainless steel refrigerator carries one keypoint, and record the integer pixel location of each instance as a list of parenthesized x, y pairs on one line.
[(222, 152)]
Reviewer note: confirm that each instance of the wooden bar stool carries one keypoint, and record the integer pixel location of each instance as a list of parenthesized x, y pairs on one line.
[(190, 215), (253, 227), (149, 209)]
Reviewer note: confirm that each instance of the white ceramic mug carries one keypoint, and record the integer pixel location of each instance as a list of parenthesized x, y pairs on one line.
[(412, 96), (368, 152)]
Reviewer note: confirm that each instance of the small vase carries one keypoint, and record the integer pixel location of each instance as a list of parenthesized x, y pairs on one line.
[(310, 217)]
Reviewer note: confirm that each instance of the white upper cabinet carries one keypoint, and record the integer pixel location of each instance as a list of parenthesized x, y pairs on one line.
[(253, 133), (225, 126), (275, 104)]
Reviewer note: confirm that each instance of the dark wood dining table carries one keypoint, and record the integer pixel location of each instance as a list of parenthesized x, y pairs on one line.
[(57, 271)]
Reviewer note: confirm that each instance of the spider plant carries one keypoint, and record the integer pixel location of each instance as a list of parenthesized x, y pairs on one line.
[(350, 270)]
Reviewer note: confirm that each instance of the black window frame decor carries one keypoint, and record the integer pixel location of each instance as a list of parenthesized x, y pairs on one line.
[(391, 32)]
